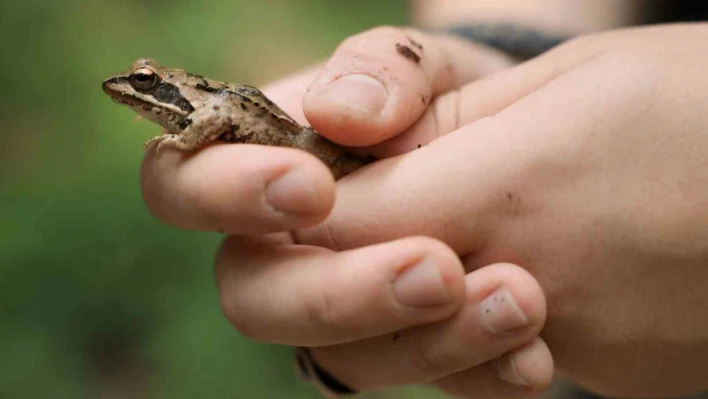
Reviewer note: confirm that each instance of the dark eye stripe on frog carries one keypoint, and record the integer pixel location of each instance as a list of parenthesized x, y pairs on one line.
[(170, 94)]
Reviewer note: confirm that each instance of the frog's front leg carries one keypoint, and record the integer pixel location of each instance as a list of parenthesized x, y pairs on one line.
[(198, 129)]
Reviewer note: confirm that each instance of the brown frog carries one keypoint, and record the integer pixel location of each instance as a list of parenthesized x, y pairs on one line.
[(196, 111)]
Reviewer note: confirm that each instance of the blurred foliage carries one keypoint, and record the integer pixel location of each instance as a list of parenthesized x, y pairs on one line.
[(97, 298)]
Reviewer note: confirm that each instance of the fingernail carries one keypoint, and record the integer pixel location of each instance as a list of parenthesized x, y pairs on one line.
[(421, 286), (506, 370), (293, 192), (359, 92), (500, 313)]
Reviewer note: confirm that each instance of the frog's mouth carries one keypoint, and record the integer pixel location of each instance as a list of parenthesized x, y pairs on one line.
[(122, 93)]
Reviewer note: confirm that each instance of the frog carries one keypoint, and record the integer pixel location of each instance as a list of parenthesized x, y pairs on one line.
[(195, 111)]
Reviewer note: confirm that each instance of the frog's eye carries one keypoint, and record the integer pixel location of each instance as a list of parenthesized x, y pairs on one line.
[(143, 78)]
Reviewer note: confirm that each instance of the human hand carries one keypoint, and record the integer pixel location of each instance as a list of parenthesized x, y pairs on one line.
[(587, 167), (275, 291)]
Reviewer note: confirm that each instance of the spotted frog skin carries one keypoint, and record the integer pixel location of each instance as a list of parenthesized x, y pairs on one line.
[(196, 111)]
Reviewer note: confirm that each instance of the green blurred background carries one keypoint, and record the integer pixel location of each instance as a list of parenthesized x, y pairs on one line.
[(97, 298)]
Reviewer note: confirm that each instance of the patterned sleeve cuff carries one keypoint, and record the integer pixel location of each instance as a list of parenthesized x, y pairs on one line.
[(309, 371), (518, 41)]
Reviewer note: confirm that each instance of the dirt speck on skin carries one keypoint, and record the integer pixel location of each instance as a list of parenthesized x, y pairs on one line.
[(406, 52)]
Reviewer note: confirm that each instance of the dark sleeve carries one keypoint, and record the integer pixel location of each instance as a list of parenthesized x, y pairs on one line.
[(667, 11)]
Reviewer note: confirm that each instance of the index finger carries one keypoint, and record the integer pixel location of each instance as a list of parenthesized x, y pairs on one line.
[(237, 189)]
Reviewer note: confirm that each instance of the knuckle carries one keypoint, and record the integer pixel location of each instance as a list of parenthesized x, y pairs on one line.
[(426, 360), (321, 235), (324, 312)]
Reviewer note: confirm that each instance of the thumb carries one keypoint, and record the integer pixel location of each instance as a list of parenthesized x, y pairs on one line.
[(378, 83)]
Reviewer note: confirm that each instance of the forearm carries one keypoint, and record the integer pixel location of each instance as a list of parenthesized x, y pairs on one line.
[(567, 17)]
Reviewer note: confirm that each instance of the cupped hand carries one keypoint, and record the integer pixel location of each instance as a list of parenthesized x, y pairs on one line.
[(400, 311), (586, 166)]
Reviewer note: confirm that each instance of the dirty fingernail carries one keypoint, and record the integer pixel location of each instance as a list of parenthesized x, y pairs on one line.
[(500, 312), (507, 371), (293, 193), (421, 286), (359, 92)]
